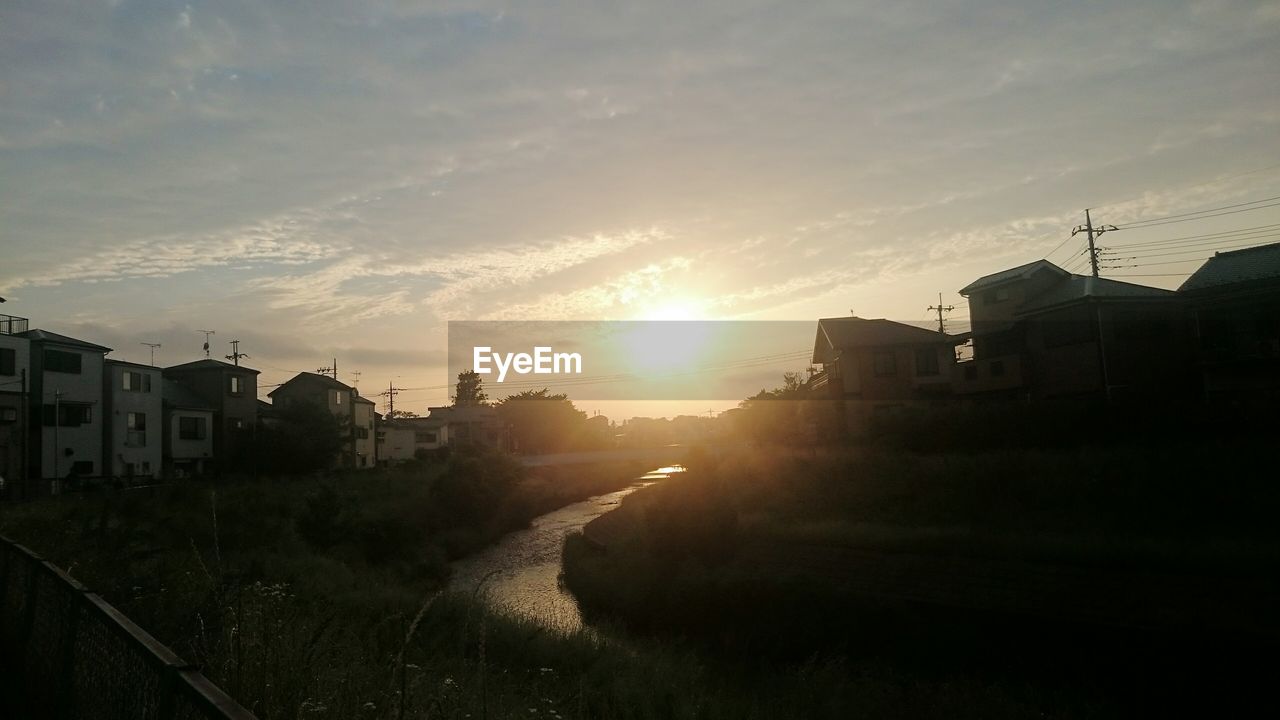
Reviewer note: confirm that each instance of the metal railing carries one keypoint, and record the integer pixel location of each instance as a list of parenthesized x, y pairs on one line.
[(66, 653), (12, 325)]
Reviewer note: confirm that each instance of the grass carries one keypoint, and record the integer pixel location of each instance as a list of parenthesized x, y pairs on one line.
[(719, 558)]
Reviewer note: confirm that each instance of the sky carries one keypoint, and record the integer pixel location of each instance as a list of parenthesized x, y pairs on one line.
[(336, 180)]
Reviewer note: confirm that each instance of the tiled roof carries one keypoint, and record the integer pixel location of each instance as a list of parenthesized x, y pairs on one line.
[(1079, 287), (210, 364), (39, 335), (313, 379), (1021, 272), (1236, 266), (846, 332)]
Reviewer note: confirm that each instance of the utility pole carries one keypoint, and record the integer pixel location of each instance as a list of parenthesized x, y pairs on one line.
[(942, 328), (57, 422), (235, 353), (330, 370), (1094, 233), (390, 395), (153, 347), (207, 333)]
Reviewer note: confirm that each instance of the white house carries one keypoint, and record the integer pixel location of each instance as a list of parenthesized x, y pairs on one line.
[(133, 414), (66, 384), (188, 431)]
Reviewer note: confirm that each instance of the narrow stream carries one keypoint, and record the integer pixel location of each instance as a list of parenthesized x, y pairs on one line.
[(521, 573)]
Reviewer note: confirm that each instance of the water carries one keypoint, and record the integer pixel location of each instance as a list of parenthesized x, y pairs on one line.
[(521, 573)]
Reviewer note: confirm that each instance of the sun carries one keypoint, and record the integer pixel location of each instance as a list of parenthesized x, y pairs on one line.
[(675, 309)]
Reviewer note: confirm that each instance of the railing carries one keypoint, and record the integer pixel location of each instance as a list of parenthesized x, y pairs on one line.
[(11, 325), (66, 653)]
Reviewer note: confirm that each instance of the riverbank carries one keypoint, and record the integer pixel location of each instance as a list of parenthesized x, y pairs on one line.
[(1058, 570), (295, 593)]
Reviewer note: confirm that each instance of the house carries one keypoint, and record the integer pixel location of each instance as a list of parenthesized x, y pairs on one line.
[(395, 442), (1234, 302), (232, 392), (66, 405), (478, 425), (188, 431), (873, 367), (407, 438), (354, 413), (1040, 332), (15, 364), (133, 412)]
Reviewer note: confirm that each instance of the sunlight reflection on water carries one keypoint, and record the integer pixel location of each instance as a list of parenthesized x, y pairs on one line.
[(523, 569)]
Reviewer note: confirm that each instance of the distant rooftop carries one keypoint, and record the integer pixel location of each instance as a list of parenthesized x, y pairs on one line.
[(210, 364), (846, 332), (1236, 266), (1079, 287), (314, 379), (1022, 272), (39, 335)]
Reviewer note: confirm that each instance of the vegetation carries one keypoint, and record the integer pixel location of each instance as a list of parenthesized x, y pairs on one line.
[(469, 392), (296, 594), (757, 556)]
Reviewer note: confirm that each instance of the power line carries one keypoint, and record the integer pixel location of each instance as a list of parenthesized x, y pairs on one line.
[(1216, 234), (1171, 219), (1247, 244), (1170, 244)]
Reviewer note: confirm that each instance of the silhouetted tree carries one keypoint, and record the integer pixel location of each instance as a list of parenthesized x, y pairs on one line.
[(541, 422), (469, 392), (306, 439)]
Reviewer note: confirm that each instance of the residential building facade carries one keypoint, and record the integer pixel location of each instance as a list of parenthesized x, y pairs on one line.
[(232, 392), (188, 431), (66, 406), (134, 423), (15, 369)]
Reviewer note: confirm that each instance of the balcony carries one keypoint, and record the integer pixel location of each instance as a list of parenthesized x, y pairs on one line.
[(11, 325)]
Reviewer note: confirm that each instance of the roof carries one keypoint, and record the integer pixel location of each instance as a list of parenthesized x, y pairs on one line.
[(1022, 272), (209, 364), (1081, 287), (314, 379), (1236, 266), (363, 399), (130, 363), (178, 395), (38, 335), (420, 423), (847, 332)]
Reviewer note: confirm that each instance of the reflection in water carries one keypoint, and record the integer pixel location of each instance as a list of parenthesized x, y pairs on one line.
[(523, 569)]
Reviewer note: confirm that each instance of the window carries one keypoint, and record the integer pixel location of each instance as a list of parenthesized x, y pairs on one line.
[(8, 361), (67, 414), (997, 368), (885, 364), (61, 361), (81, 468), (971, 372), (362, 433), (135, 382), (926, 362), (424, 437), (191, 428), (237, 385), (136, 429), (337, 397), (8, 415)]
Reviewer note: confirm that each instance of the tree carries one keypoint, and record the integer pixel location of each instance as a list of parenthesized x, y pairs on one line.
[(469, 391), (781, 414), (306, 439), (401, 414), (541, 422)]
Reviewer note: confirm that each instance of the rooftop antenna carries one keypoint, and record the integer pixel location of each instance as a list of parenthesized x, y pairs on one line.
[(207, 333), (235, 353), (355, 383), (153, 347)]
